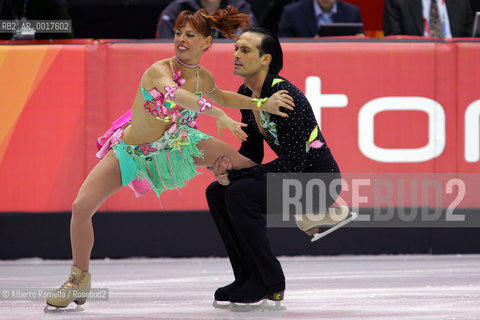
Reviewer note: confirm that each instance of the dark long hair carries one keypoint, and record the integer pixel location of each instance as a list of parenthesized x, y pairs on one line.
[(270, 45), (227, 21)]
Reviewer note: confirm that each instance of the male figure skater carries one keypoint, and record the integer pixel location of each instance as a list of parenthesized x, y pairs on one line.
[(237, 201)]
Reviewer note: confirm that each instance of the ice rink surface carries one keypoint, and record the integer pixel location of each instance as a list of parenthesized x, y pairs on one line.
[(346, 287)]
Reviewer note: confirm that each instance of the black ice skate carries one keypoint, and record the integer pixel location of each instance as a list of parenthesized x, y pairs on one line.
[(252, 296), (222, 295)]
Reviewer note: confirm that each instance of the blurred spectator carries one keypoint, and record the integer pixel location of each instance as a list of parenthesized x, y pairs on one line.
[(168, 16), (268, 12), (429, 18), (304, 18)]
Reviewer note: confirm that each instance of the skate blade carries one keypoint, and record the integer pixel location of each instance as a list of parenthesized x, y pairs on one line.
[(263, 306), (216, 304), (52, 309), (352, 216)]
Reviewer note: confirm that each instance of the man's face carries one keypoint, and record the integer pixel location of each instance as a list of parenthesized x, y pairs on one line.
[(247, 56), (326, 3)]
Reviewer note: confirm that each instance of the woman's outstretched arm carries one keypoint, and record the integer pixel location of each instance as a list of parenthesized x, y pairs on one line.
[(159, 77), (233, 100)]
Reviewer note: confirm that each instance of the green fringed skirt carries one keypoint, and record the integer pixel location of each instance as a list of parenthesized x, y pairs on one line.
[(165, 164)]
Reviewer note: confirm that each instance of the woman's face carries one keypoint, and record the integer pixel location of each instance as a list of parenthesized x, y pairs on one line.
[(189, 43)]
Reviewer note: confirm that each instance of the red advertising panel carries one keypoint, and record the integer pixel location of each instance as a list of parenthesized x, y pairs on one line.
[(384, 107), (42, 132)]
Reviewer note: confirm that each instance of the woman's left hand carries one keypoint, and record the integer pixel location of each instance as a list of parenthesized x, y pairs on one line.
[(235, 127), (276, 101)]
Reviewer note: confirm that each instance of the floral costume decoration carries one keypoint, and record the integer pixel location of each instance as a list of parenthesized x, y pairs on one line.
[(296, 140), (167, 163), (269, 126), (312, 141)]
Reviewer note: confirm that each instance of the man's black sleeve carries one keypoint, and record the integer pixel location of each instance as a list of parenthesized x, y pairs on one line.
[(292, 137), (253, 147)]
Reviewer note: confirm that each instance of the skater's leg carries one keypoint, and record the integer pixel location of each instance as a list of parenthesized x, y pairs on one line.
[(246, 202), (103, 181), (214, 148), (228, 232)]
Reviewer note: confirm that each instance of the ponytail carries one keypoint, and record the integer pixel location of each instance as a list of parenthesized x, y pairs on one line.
[(226, 21)]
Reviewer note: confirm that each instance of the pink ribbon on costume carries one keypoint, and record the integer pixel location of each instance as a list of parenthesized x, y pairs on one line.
[(174, 114), (172, 128), (140, 186), (193, 125), (176, 78), (170, 92), (112, 136), (317, 144), (163, 110), (151, 108), (181, 155), (146, 148), (204, 104), (155, 93), (155, 106)]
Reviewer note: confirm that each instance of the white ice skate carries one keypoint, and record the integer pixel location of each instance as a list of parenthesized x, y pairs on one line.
[(335, 218)]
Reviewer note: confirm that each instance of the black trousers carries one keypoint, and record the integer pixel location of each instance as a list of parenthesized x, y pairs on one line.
[(239, 211)]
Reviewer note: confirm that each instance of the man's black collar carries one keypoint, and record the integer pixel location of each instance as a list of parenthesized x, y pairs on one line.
[(266, 88)]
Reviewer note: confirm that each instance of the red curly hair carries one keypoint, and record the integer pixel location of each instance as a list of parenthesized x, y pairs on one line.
[(227, 21)]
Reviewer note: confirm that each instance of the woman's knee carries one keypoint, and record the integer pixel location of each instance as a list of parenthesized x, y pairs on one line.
[(81, 209)]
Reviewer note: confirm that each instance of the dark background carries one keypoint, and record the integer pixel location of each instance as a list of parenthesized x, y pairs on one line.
[(137, 19), (114, 19), (193, 234)]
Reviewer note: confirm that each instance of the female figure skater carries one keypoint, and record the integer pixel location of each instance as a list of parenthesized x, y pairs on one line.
[(156, 144)]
